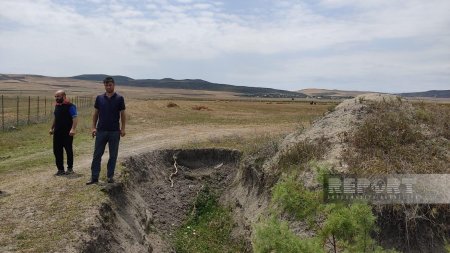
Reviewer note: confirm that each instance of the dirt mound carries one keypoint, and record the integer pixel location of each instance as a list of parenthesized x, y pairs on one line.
[(377, 133), (145, 209), (334, 127)]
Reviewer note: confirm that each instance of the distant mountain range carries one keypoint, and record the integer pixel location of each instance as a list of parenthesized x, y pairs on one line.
[(100, 77), (428, 94), (196, 84), (324, 93)]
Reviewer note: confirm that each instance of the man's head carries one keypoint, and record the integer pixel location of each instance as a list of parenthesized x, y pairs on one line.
[(60, 96), (109, 84)]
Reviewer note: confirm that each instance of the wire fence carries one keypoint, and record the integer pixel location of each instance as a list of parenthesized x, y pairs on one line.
[(19, 111)]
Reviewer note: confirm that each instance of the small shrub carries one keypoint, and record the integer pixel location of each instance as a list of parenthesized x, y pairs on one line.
[(435, 117), (200, 107), (349, 227), (303, 152), (208, 228), (331, 108), (205, 203), (293, 198), (275, 236), (340, 227), (385, 130), (171, 105)]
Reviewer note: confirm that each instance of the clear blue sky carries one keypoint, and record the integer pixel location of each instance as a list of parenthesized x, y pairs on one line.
[(377, 45)]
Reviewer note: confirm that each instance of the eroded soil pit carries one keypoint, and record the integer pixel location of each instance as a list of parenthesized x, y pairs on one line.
[(152, 201), (169, 205)]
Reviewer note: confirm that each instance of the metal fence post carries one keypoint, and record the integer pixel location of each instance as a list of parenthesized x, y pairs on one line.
[(17, 116), (51, 108), (29, 109), (3, 114), (37, 111)]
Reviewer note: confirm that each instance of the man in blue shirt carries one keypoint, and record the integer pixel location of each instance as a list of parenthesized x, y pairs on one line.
[(63, 129), (109, 110)]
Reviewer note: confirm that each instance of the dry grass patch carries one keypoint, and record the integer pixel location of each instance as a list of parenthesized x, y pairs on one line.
[(157, 114), (399, 138), (46, 215), (302, 153), (200, 107), (248, 145)]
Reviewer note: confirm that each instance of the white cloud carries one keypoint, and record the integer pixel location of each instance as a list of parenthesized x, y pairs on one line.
[(202, 6), (120, 11), (330, 40)]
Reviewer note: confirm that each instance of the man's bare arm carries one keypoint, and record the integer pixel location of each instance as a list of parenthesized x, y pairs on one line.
[(73, 130), (52, 128), (94, 122)]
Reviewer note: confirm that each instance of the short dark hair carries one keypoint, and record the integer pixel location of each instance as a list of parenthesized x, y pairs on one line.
[(108, 79)]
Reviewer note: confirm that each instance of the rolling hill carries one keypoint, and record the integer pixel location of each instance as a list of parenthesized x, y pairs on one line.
[(195, 84), (428, 94), (325, 93)]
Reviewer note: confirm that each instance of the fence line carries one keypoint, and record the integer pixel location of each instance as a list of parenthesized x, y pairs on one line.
[(18, 111), (29, 109), (3, 114), (17, 124)]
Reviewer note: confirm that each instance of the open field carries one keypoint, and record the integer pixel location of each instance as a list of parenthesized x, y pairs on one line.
[(43, 213), (28, 99)]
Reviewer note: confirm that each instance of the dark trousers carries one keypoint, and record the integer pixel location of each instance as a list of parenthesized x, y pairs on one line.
[(102, 138), (63, 142)]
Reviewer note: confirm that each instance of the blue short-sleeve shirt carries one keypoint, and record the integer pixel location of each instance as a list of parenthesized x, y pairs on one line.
[(109, 111), (73, 111)]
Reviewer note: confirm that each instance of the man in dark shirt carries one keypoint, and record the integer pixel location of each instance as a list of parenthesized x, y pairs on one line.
[(63, 129), (109, 109)]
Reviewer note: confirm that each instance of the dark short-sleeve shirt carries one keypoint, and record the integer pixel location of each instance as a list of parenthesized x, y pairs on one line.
[(64, 114), (109, 111)]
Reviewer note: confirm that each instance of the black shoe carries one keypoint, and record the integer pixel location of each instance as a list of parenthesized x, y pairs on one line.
[(69, 171), (60, 173), (110, 180), (92, 182)]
